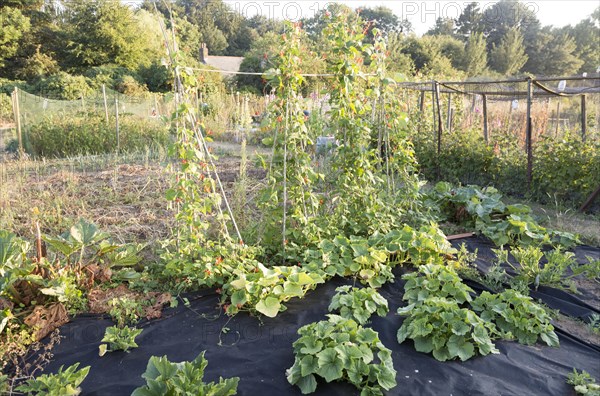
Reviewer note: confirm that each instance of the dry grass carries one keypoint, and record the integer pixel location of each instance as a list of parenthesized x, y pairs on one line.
[(126, 200)]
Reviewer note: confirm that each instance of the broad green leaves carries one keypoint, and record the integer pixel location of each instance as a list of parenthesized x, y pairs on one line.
[(340, 349), (119, 339), (358, 304), (164, 378), (503, 224), (265, 289), (438, 321), (516, 317), (435, 280), (63, 383), (268, 306), (440, 326)]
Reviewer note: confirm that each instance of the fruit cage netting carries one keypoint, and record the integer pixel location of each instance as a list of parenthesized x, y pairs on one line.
[(31, 110), (516, 115)]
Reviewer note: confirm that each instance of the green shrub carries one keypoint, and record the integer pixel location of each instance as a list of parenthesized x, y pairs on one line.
[(62, 86), (6, 110), (60, 137), (565, 169)]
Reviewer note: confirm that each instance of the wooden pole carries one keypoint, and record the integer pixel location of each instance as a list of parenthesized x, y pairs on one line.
[(439, 127), (17, 112), (117, 121), (449, 116), (433, 104), (528, 136), (590, 199), (485, 119), (439, 117), (422, 101), (105, 102), (583, 118), (557, 117)]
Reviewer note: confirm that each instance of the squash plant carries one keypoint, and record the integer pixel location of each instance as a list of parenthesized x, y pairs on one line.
[(119, 339), (340, 349), (516, 316), (265, 289), (358, 304), (433, 280), (503, 224), (64, 383), (440, 326), (165, 378)]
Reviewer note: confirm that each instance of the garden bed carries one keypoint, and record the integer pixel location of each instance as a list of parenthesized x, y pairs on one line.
[(259, 350)]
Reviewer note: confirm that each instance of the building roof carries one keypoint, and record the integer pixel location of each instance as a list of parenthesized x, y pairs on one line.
[(225, 63)]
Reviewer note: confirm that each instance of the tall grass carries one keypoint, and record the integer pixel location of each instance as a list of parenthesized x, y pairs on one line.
[(70, 136)]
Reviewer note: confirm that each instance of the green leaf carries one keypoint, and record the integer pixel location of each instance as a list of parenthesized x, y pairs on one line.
[(238, 298), (311, 346), (308, 365), (458, 346), (307, 384), (550, 338), (269, 306), (330, 365)]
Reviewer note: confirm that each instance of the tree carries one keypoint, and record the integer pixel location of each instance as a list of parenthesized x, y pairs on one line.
[(13, 25), (452, 49), (553, 54), (587, 38), (443, 26), (383, 19), (469, 21), (398, 61), (475, 61), (104, 31), (508, 14), (427, 57), (509, 56)]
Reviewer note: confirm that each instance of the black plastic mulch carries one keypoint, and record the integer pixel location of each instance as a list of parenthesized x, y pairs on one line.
[(260, 353)]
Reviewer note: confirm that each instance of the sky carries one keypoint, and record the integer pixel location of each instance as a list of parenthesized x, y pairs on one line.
[(422, 14)]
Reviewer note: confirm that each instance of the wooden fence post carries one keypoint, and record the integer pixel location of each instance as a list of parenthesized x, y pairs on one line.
[(485, 119), (105, 102), (449, 115), (557, 117), (583, 118), (17, 112), (117, 120), (439, 128), (528, 135)]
